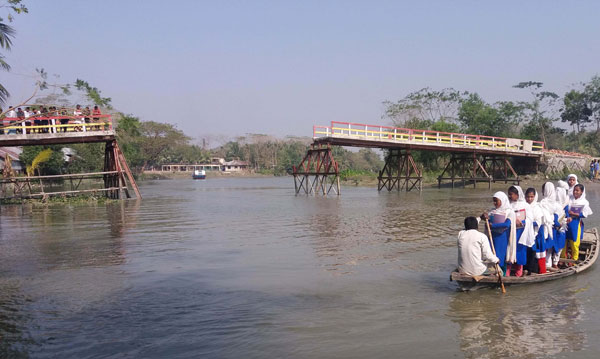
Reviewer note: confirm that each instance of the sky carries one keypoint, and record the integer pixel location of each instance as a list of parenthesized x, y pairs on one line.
[(221, 69)]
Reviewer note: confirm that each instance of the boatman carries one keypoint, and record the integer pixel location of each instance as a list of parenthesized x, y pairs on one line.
[(474, 251)]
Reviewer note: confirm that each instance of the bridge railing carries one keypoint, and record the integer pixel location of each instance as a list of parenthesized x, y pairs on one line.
[(55, 124), (436, 138)]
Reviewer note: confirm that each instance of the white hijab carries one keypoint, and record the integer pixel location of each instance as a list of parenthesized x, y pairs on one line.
[(571, 187), (562, 184), (528, 235), (542, 216), (581, 201), (506, 210), (562, 198)]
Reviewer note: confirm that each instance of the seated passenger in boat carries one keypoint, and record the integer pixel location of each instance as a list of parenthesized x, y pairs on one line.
[(502, 226), (579, 208), (474, 251)]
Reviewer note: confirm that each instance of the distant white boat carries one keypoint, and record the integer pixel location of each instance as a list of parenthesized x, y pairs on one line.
[(199, 174)]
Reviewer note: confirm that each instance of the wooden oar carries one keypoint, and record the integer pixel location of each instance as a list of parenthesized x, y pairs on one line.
[(498, 270)]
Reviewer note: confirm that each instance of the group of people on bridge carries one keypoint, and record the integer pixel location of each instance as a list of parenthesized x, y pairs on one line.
[(529, 236), (45, 119)]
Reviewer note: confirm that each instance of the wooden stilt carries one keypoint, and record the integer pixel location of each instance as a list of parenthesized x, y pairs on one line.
[(125, 166)]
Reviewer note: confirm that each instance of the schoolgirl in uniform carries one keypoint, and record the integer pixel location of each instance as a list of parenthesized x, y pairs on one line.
[(502, 225), (542, 225), (579, 208), (571, 181), (525, 236), (560, 224), (556, 212)]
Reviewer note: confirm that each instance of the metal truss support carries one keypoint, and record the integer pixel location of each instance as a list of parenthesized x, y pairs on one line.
[(472, 168), (400, 172), (500, 169), (465, 167), (318, 173)]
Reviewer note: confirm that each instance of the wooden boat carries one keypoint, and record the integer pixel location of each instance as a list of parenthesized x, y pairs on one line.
[(588, 253), (199, 174)]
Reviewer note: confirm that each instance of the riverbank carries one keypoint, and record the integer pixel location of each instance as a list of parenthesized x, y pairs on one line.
[(366, 179), (166, 175)]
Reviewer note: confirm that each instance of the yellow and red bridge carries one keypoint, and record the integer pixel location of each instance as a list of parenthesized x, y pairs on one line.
[(474, 158)]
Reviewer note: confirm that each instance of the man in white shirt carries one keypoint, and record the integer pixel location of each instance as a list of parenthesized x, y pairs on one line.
[(11, 116), (474, 251)]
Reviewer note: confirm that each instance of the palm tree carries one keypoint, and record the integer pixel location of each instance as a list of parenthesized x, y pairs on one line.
[(6, 35)]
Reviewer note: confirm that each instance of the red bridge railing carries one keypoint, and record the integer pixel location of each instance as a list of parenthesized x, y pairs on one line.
[(55, 124)]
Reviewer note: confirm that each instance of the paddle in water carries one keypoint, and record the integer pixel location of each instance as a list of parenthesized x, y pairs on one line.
[(498, 270)]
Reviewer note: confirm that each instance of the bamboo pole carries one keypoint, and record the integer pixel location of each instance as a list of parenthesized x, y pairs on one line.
[(34, 195)]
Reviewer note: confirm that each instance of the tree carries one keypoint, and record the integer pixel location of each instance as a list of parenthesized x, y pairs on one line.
[(7, 34), (539, 114), (576, 111), (478, 117), (156, 138), (424, 107), (592, 93), (52, 166)]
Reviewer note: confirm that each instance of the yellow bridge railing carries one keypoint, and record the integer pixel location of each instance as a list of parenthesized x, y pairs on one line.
[(434, 138)]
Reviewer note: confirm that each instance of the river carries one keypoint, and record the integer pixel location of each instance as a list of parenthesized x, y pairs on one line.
[(241, 267)]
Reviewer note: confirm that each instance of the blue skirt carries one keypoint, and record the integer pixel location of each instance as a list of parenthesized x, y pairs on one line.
[(540, 244), (560, 240), (521, 249), (500, 244)]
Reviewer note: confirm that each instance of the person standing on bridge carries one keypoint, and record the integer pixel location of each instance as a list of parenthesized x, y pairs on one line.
[(596, 169), (593, 169)]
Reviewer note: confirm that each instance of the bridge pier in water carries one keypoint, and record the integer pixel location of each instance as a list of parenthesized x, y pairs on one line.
[(473, 167), (474, 158), (318, 173), (399, 172)]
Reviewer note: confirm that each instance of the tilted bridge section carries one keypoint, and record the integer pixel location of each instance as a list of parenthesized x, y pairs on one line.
[(54, 128), (474, 158)]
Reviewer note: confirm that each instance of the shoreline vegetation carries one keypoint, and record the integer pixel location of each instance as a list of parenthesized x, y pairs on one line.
[(149, 145)]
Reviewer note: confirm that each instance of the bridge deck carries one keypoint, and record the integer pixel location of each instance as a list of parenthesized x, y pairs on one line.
[(361, 135), (38, 130)]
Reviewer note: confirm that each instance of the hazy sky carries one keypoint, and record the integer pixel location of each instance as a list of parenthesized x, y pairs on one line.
[(277, 67)]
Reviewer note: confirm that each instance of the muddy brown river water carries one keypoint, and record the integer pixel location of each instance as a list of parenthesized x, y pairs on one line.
[(240, 267)]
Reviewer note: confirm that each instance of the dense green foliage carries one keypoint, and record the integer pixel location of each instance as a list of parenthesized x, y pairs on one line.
[(269, 155), (7, 34), (542, 118)]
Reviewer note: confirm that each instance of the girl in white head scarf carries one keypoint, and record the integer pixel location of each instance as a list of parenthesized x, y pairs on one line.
[(556, 211), (562, 184), (560, 239), (502, 224), (542, 223), (579, 208), (525, 233), (571, 182)]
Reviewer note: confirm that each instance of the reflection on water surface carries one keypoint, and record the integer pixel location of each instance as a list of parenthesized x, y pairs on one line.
[(241, 267)]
